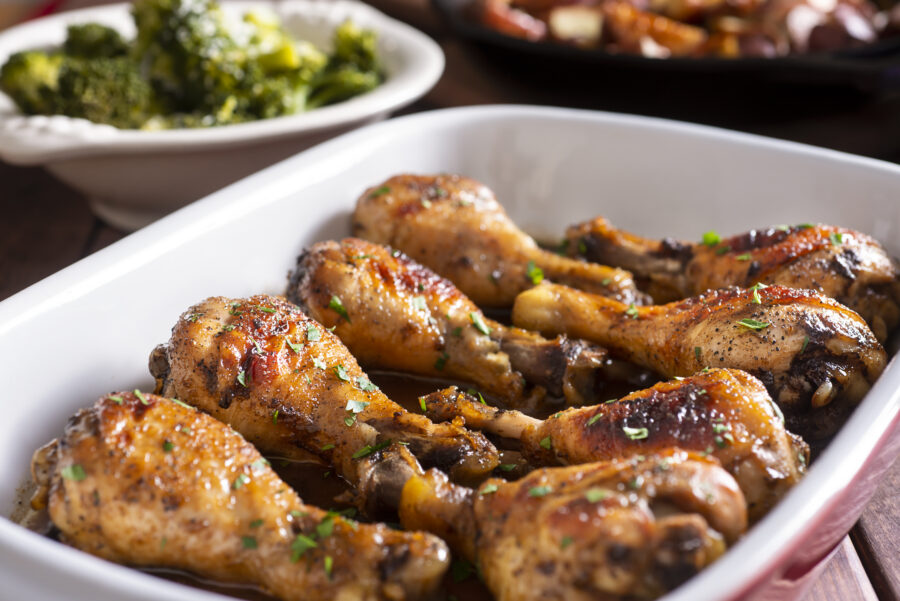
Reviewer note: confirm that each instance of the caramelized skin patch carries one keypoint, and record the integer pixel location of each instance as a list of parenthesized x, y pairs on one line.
[(393, 313), (808, 350), (843, 264), (290, 387), (143, 480), (724, 413), (455, 226), (623, 529)]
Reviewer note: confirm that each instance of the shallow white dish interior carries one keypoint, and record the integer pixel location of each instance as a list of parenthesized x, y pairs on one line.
[(136, 176), (89, 329)]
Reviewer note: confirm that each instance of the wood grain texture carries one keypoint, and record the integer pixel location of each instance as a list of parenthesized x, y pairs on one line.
[(844, 579), (877, 537)]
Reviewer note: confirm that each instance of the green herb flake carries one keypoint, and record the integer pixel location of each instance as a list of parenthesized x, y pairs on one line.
[(697, 351), (268, 310), (474, 392), (422, 404), (349, 420), (242, 378), (369, 449), (753, 324), (337, 306), (296, 347), (365, 384), (329, 565), (582, 247), (488, 489), (419, 303), (256, 523), (539, 491), (259, 465), (441, 362), (756, 288), (711, 238), (479, 324), (461, 570), (318, 363), (723, 250), (361, 257), (241, 480), (805, 343), (606, 281), (457, 331), (594, 418), (167, 446), (181, 403), (275, 416), (806, 226), (356, 406), (141, 397), (836, 238), (248, 542), (546, 443), (162, 542), (326, 447), (507, 467), (379, 192), (116, 399), (73, 472), (594, 495), (312, 333), (325, 528), (635, 433), (301, 545), (341, 372), (534, 273), (632, 311), (566, 541), (744, 257)]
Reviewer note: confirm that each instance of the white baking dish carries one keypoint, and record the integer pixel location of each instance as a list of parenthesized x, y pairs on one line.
[(133, 177), (90, 328)]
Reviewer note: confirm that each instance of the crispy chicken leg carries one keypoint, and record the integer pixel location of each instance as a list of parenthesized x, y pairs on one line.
[(725, 413), (455, 226), (625, 529), (807, 349), (147, 481), (848, 266), (291, 388), (392, 313)]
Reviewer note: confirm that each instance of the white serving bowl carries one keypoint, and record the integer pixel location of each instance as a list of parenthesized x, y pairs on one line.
[(89, 328), (134, 177)]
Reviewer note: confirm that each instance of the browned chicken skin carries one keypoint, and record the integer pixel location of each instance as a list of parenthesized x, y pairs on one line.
[(845, 265), (725, 413), (147, 481), (624, 529), (393, 313), (291, 388), (456, 227), (807, 349)]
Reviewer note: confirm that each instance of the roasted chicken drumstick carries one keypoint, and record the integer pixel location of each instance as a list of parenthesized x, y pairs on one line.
[(392, 313), (455, 226), (845, 265), (725, 413), (291, 388), (808, 350), (148, 481), (625, 529)]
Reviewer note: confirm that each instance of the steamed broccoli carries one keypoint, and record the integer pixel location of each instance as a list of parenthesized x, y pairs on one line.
[(340, 84), (104, 90), (30, 78), (93, 40), (356, 46)]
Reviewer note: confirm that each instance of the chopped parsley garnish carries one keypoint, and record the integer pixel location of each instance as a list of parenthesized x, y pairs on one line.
[(256, 523), (507, 467), (594, 419), (167, 446), (228, 328), (341, 372), (474, 392), (457, 331), (349, 420), (312, 333), (182, 403), (379, 192), (756, 288), (326, 447), (566, 541), (329, 565), (534, 273), (632, 311), (711, 238), (606, 281), (296, 347), (249, 542), (635, 433), (268, 310), (361, 257), (539, 491), (546, 443), (479, 324), (338, 307), (73, 472), (242, 378), (318, 363), (488, 489), (141, 397), (805, 343), (461, 569), (116, 399), (418, 303), (241, 480), (582, 247), (275, 416), (595, 494), (806, 226), (744, 257), (753, 324), (836, 238), (422, 404), (325, 527), (441, 362), (356, 406), (364, 384), (723, 250), (301, 545), (697, 351), (259, 465), (369, 449)]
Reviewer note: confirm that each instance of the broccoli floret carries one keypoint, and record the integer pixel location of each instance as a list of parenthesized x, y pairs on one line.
[(341, 83), (93, 40), (105, 90), (356, 46), (30, 78)]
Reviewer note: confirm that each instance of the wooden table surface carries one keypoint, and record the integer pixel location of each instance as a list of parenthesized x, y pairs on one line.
[(46, 226)]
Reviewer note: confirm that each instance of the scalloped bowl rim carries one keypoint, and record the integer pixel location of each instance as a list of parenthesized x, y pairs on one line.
[(38, 139)]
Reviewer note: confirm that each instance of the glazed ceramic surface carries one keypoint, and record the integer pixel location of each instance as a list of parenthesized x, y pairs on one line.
[(89, 329)]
